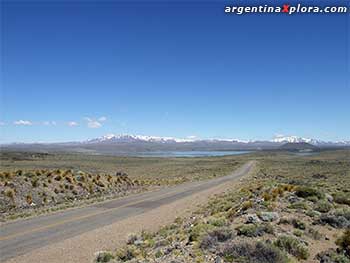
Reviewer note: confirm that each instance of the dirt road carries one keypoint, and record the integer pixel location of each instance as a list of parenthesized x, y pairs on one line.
[(61, 236)]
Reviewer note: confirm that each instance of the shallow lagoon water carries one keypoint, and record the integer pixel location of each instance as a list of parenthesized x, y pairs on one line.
[(190, 153)]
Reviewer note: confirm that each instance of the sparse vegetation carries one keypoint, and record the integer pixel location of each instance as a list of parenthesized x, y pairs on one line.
[(288, 205), (257, 252), (254, 230), (305, 192), (344, 242), (323, 206), (33, 194), (293, 246)]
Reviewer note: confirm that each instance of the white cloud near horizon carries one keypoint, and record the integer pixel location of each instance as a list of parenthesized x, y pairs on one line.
[(72, 124), (2, 123), (49, 123), (23, 122), (93, 123)]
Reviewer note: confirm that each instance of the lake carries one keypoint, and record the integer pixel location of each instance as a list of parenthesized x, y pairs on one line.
[(189, 153)]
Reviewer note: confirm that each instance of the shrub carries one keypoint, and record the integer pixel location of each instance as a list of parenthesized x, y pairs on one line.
[(312, 213), (69, 179), (208, 241), (313, 198), (344, 242), (29, 174), (342, 198), (198, 230), (10, 193), (253, 230), (323, 206), (247, 204), (299, 205), (304, 192), (126, 254), (284, 221), (29, 199), (158, 254), (257, 252), (313, 233), (219, 222), (221, 234), (267, 197), (298, 224), (35, 182), (288, 187), (131, 239), (293, 246), (58, 177), (345, 212), (104, 257), (278, 191), (332, 256), (297, 233), (337, 221)]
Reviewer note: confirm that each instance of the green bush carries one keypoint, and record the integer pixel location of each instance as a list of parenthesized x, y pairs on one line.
[(299, 205), (219, 222), (104, 257), (345, 212), (35, 182), (313, 233), (213, 237), (342, 198), (253, 230), (257, 252), (158, 254), (126, 254), (337, 221), (323, 206), (297, 233), (304, 192), (344, 242), (332, 256), (293, 246), (298, 224), (198, 230)]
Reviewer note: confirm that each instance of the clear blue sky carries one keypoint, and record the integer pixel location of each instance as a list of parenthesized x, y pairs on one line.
[(170, 69)]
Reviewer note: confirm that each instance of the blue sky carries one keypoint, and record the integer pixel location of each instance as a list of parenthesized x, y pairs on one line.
[(77, 70)]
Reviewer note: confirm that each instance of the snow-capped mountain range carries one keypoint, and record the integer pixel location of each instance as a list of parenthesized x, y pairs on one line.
[(129, 144), (129, 138), (110, 138)]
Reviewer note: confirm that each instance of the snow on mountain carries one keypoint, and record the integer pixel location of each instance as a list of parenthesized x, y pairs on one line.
[(146, 138), (294, 139), (142, 138), (110, 138)]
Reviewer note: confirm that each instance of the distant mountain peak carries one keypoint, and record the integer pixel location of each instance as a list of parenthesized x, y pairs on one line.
[(293, 139), (135, 138), (280, 139), (298, 146), (297, 139)]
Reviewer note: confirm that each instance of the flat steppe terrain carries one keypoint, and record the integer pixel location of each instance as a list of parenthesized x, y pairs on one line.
[(281, 207)]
